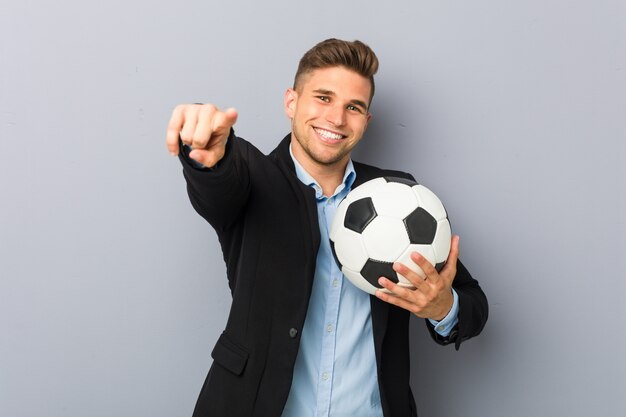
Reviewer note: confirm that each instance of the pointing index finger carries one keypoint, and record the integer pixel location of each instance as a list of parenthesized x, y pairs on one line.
[(223, 121)]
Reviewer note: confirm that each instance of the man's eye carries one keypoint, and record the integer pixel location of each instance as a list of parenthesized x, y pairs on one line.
[(324, 98), (354, 108)]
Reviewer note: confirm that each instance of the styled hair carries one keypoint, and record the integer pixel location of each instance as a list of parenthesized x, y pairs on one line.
[(355, 56)]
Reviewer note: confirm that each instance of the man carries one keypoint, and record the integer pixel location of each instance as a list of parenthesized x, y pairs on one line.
[(300, 339)]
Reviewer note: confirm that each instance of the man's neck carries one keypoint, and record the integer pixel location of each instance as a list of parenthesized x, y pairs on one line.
[(328, 176), (329, 181)]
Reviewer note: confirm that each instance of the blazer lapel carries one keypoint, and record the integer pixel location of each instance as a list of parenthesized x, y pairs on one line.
[(306, 199), (380, 312)]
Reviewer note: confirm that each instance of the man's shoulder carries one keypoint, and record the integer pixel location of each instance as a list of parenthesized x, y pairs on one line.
[(239, 148), (366, 172)]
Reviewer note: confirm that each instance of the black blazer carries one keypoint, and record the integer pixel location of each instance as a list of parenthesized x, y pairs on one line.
[(266, 222)]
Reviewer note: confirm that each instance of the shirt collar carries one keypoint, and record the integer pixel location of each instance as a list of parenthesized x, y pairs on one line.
[(348, 178)]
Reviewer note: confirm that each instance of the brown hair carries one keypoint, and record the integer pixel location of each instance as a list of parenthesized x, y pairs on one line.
[(355, 56)]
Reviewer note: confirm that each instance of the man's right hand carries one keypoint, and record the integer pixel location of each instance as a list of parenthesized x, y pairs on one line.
[(203, 127)]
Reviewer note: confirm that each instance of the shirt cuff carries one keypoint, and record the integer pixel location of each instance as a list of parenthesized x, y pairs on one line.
[(445, 326)]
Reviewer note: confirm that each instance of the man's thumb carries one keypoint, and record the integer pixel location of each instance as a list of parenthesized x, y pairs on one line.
[(207, 158)]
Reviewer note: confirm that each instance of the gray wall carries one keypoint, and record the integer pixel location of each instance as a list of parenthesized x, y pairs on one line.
[(112, 290)]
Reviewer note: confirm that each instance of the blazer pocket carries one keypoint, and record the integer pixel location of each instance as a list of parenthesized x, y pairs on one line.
[(230, 355)]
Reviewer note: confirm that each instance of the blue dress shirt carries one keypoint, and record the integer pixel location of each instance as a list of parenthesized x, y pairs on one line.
[(335, 370)]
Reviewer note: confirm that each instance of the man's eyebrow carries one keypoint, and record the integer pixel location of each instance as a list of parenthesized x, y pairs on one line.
[(359, 103), (324, 91), (331, 93)]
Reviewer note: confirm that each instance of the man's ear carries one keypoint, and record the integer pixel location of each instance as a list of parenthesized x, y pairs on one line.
[(291, 98)]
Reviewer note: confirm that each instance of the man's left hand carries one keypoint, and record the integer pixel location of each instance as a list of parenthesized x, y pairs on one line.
[(432, 297)]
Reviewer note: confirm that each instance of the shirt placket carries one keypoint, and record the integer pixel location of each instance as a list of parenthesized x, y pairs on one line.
[(333, 283)]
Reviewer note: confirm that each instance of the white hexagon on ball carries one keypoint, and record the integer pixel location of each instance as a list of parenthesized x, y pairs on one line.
[(442, 242), (425, 250), (350, 250), (385, 238), (430, 202), (394, 200), (364, 190)]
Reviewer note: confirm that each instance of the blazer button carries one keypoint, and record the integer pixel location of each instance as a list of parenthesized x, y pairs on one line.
[(293, 332)]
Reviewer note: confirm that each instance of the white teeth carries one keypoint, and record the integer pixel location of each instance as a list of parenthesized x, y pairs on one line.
[(328, 135)]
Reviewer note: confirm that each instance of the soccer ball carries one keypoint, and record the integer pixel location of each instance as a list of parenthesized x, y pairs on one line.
[(383, 221)]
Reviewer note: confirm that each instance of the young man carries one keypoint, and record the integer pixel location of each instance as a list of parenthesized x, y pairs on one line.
[(300, 339)]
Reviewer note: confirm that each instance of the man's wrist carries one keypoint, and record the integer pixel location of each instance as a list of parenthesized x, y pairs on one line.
[(446, 324), (447, 310)]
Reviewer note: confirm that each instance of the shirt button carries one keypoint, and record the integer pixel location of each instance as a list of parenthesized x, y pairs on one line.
[(293, 332), (329, 328), (325, 376), (440, 328), (335, 282)]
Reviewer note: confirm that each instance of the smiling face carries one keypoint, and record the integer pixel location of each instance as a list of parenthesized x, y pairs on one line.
[(329, 114)]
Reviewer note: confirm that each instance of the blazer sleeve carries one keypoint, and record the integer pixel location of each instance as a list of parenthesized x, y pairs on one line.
[(219, 194)]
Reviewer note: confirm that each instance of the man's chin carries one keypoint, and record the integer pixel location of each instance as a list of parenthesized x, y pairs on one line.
[(329, 160)]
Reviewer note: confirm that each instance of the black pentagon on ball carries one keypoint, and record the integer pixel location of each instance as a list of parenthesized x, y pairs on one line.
[(359, 214), (373, 269), (405, 181), (421, 227)]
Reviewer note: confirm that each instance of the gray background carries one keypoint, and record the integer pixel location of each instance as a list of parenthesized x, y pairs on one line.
[(112, 289)]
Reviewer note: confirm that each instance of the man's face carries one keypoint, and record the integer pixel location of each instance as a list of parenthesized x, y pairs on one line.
[(329, 114)]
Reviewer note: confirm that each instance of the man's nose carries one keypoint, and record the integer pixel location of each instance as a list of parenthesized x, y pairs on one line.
[(336, 115)]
